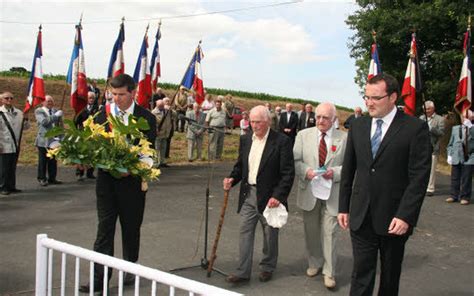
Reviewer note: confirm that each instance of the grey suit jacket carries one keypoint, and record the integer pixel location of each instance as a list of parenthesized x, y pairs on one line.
[(306, 154), (194, 130), (436, 125), (45, 123), (14, 119), (455, 147)]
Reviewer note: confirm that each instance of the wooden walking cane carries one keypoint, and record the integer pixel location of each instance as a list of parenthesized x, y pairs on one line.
[(218, 233)]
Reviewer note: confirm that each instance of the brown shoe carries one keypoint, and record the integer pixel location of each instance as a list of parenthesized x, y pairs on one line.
[(233, 279), (265, 276), (329, 282)]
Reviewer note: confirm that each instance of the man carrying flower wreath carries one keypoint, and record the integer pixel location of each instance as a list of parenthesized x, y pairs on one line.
[(122, 197)]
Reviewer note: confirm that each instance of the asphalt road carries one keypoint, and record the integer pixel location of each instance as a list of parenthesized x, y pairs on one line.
[(438, 260)]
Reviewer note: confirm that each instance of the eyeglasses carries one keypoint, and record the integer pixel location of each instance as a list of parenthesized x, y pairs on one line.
[(8, 98), (374, 98), (325, 118)]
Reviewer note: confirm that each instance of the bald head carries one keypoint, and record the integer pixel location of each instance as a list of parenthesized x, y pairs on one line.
[(325, 116)]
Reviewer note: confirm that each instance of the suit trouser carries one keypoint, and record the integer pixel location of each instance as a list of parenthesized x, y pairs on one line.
[(195, 143), (249, 217), (216, 143), (431, 183), (366, 245), (8, 171), (46, 164), (160, 145), (320, 237), (123, 199), (461, 181)]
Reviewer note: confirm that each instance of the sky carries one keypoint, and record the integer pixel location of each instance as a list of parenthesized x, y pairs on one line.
[(297, 50)]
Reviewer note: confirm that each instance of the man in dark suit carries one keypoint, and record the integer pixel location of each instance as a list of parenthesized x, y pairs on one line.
[(357, 113), (307, 118), (265, 168), (383, 183), (289, 122), (123, 197), (90, 109)]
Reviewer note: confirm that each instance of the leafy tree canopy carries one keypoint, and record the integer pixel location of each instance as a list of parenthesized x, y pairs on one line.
[(439, 27)]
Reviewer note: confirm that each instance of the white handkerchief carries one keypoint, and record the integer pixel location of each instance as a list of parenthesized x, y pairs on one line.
[(321, 188), (276, 217)]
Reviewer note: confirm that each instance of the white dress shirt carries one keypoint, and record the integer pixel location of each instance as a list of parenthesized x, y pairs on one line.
[(255, 156), (387, 120)]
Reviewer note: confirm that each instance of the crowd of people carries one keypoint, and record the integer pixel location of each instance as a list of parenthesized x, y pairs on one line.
[(349, 180)]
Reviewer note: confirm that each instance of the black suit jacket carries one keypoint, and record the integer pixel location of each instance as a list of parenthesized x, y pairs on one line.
[(394, 183), (303, 118), (138, 112), (349, 120), (275, 173), (292, 124)]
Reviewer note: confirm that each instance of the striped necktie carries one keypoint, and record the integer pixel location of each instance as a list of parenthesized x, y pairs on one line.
[(323, 150), (377, 138)]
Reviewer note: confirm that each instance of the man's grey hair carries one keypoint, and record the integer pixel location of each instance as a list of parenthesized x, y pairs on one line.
[(91, 93), (429, 104), (331, 106), (261, 109)]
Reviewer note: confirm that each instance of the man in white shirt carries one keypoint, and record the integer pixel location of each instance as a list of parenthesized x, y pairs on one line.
[(265, 170)]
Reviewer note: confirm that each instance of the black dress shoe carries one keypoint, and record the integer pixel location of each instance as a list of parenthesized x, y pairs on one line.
[(429, 193), (98, 287), (91, 177), (54, 182), (164, 165), (265, 276), (235, 279), (5, 192), (15, 190), (128, 279)]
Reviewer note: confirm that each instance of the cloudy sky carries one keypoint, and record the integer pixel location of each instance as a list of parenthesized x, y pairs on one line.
[(297, 50)]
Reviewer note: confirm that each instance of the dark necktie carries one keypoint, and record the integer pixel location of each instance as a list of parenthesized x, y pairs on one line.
[(377, 138), (50, 112), (323, 150)]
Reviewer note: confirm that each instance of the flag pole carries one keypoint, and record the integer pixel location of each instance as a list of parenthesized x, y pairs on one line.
[(25, 117), (418, 78), (177, 89)]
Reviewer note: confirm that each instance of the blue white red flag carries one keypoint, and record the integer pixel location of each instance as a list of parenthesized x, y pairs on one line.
[(76, 75), (463, 100), (410, 83), (117, 64), (193, 76), (36, 92), (155, 67), (142, 75), (374, 66)]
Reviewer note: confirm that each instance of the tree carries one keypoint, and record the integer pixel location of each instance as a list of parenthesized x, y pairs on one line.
[(439, 27)]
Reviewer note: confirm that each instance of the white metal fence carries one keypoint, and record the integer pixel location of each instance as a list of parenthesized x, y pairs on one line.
[(44, 271)]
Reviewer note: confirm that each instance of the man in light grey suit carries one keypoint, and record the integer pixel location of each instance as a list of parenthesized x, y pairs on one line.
[(436, 125), (320, 150), (47, 117), (195, 133)]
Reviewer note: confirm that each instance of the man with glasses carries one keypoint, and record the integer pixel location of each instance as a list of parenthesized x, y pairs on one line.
[(11, 120), (383, 183)]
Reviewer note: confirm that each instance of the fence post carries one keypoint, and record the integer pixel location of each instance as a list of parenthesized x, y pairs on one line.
[(41, 265)]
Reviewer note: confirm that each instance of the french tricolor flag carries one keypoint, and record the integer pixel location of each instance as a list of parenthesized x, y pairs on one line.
[(117, 64), (142, 75), (155, 68), (193, 77), (463, 99), (36, 84), (409, 84), (76, 75), (374, 66)]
